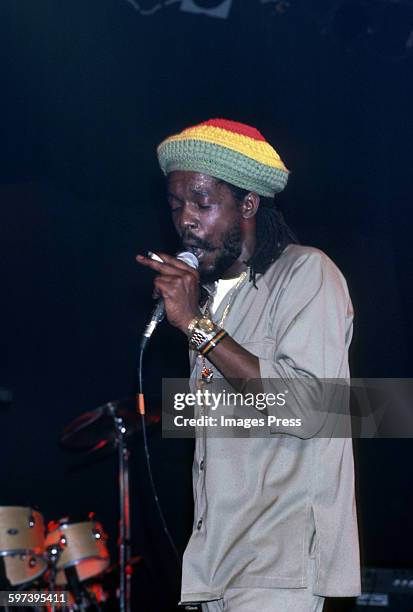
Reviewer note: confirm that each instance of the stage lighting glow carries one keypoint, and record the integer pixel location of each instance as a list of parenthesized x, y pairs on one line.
[(212, 8)]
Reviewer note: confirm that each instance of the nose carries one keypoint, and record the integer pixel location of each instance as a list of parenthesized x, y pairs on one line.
[(188, 219)]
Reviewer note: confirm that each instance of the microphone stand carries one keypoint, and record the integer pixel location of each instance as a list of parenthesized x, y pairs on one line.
[(77, 589), (124, 512), (53, 553)]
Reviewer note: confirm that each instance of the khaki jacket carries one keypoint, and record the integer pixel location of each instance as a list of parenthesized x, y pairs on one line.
[(263, 505)]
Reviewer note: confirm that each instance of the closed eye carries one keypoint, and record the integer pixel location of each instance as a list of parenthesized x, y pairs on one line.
[(176, 205)]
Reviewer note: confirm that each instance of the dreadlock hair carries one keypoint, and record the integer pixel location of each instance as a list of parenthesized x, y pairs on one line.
[(272, 233)]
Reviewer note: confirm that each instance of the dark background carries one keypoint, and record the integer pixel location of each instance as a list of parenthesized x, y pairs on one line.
[(88, 89)]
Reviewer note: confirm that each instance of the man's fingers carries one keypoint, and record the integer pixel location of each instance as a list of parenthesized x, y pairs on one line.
[(161, 268), (170, 267), (170, 280), (175, 262), (165, 286)]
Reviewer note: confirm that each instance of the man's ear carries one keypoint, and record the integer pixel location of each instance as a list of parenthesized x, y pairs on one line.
[(249, 205)]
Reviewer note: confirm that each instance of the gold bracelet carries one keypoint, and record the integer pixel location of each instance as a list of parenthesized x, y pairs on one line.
[(191, 326)]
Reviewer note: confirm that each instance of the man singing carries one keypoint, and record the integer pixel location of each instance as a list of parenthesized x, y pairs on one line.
[(275, 525)]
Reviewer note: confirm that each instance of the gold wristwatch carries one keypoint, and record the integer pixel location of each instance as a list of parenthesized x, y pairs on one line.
[(201, 331)]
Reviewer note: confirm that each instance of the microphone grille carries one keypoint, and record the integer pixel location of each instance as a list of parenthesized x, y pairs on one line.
[(188, 258)]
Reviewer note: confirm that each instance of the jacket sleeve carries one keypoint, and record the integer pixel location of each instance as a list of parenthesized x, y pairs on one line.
[(311, 328)]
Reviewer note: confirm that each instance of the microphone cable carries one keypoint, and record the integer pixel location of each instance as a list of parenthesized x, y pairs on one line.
[(141, 409)]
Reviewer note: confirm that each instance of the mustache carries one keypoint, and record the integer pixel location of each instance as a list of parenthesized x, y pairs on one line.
[(205, 245)]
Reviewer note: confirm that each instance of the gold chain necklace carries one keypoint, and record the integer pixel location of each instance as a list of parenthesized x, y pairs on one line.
[(207, 374)]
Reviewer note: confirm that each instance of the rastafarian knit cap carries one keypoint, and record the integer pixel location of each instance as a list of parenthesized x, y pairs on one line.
[(228, 150)]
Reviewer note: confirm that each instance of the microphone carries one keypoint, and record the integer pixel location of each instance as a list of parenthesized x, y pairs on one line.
[(158, 313)]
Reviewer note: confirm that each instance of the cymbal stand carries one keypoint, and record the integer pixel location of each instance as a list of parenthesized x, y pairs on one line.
[(124, 511)]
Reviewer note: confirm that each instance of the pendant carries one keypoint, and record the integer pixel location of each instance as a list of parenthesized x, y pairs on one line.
[(207, 374)]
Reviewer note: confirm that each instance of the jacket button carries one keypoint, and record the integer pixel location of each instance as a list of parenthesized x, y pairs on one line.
[(199, 524), (201, 465)]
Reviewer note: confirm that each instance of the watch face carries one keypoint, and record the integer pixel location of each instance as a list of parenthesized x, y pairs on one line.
[(206, 325)]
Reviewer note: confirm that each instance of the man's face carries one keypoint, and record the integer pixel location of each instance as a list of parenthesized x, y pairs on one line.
[(207, 218)]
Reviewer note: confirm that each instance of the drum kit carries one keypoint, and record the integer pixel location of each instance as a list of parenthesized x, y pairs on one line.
[(68, 555)]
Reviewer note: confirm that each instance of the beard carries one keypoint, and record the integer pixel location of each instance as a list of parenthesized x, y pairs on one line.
[(228, 253)]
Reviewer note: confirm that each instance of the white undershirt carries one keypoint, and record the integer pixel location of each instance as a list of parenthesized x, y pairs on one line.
[(222, 287)]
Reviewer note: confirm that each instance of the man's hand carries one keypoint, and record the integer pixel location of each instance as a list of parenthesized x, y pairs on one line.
[(178, 284)]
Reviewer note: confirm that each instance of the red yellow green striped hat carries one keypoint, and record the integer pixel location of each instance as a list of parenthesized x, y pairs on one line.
[(228, 150)]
